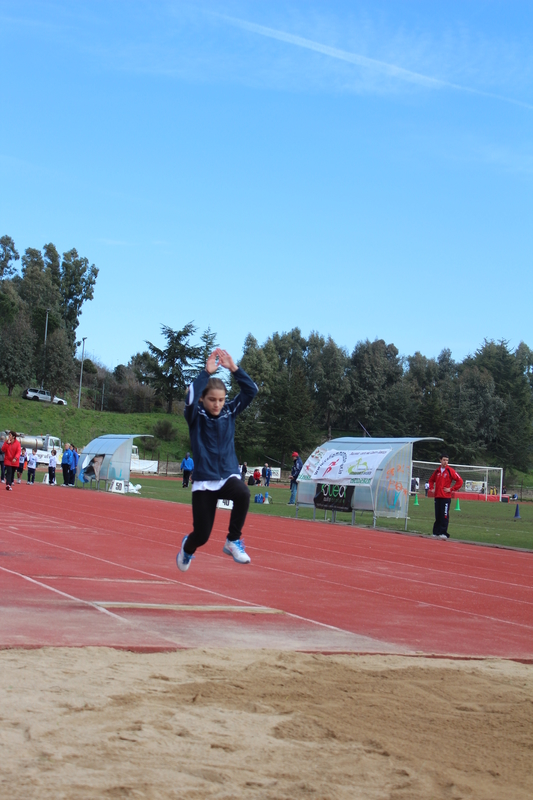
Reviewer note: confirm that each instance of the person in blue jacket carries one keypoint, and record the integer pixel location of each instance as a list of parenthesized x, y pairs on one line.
[(217, 476), (66, 464), (74, 465), (187, 465)]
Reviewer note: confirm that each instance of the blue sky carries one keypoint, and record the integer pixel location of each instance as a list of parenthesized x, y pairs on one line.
[(363, 169)]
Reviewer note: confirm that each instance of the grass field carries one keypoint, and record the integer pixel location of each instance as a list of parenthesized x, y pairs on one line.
[(491, 523), (79, 426), (488, 523)]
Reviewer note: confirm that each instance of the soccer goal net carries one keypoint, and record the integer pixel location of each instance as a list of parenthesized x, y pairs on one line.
[(484, 481)]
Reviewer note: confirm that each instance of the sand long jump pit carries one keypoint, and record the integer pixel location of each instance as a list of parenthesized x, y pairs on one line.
[(359, 664)]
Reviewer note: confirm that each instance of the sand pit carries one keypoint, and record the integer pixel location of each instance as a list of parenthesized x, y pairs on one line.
[(102, 723)]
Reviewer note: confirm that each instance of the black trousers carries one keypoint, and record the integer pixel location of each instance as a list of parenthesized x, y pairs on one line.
[(186, 476), (10, 475), (442, 515), (31, 475), (66, 473), (204, 506), (51, 475)]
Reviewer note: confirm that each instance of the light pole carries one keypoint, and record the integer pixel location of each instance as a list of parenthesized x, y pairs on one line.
[(81, 371), (44, 350)]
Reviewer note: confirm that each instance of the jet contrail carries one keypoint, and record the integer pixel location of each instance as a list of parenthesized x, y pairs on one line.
[(383, 67)]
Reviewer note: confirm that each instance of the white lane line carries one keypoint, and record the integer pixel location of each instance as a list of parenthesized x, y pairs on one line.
[(135, 569), (95, 606), (402, 599), (394, 564), (293, 574), (64, 594), (188, 585), (374, 573)]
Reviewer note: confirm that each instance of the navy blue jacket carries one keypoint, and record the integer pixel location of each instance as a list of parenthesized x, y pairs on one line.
[(296, 469), (212, 437)]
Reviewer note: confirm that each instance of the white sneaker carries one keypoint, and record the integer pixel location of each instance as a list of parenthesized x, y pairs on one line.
[(237, 551), (19, 481), (443, 536), (183, 559)]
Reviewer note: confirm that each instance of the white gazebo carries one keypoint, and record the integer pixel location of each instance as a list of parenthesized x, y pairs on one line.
[(359, 474), (107, 458)]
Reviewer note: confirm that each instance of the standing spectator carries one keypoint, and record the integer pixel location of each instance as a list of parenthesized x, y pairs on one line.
[(74, 465), (442, 480), (32, 466), (426, 487), (295, 471), (22, 464), (52, 464), (266, 474), (244, 470), (2, 457), (187, 465), (66, 463), (11, 450)]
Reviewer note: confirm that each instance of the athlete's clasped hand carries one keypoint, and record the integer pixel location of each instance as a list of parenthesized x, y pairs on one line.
[(220, 358)]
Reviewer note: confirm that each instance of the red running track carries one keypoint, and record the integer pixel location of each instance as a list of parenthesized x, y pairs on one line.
[(84, 568)]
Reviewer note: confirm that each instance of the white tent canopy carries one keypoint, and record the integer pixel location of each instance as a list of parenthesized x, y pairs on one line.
[(107, 458), (371, 475)]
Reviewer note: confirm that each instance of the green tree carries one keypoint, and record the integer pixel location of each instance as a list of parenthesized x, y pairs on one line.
[(208, 343), (375, 370), (513, 444), (17, 341), (76, 287), (8, 254), (327, 366), (173, 365), (39, 292), (9, 302), (59, 366), (474, 416), (52, 263), (289, 414), (144, 367)]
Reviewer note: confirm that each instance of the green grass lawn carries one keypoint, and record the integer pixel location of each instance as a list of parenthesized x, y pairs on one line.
[(491, 523), (79, 426)]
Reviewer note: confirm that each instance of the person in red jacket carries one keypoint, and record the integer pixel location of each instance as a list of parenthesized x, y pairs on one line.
[(11, 450), (442, 480)]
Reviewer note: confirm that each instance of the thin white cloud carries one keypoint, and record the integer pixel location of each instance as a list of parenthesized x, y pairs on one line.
[(370, 64), (116, 242)]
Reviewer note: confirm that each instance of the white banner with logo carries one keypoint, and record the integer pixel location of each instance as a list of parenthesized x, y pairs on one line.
[(349, 467)]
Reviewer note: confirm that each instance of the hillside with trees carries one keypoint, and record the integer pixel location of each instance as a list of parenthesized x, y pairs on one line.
[(310, 389)]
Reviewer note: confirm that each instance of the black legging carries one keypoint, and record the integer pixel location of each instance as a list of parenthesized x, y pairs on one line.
[(10, 475), (204, 506)]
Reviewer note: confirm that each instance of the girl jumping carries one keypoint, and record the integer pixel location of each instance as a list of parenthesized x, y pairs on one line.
[(216, 469)]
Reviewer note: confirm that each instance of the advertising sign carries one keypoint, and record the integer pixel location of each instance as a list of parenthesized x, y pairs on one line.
[(351, 467), (334, 497)]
